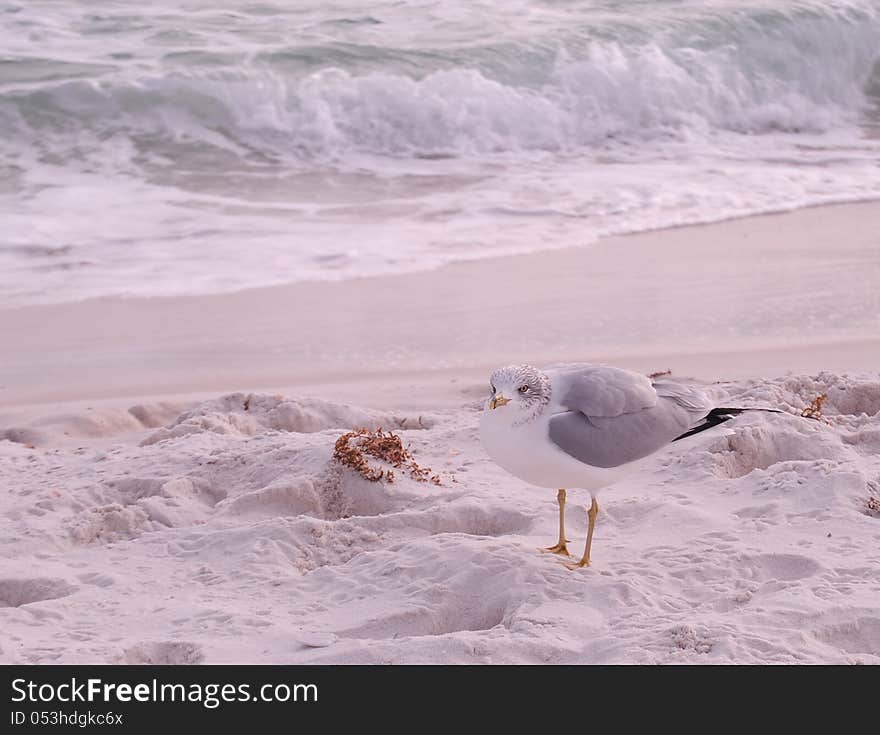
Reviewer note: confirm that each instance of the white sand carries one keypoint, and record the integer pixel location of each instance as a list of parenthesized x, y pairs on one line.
[(746, 298), (147, 520)]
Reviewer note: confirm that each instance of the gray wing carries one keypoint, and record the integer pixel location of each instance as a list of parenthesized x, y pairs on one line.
[(601, 390), (610, 416)]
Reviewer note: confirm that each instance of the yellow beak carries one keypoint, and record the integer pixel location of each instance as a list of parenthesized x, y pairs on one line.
[(498, 401)]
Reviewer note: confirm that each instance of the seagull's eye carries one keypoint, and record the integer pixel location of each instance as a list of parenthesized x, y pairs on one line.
[(523, 389), (491, 387)]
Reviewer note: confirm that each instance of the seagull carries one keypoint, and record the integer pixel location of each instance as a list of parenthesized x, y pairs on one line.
[(586, 426)]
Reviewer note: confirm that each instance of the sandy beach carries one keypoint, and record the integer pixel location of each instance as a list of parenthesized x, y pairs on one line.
[(169, 494), (746, 298)]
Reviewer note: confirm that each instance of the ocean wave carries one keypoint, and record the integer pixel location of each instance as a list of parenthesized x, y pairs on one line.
[(803, 73)]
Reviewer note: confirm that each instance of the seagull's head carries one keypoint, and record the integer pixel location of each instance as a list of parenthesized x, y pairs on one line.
[(520, 391)]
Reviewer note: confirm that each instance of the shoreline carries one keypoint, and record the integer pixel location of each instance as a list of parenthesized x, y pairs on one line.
[(739, 298), (489, 256)]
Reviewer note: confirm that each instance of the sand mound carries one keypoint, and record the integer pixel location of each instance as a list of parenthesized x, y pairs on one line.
[(846, 397), (71, 423), (249, 414)]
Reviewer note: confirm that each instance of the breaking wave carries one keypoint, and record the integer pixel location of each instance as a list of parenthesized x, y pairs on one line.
[(806, 72)]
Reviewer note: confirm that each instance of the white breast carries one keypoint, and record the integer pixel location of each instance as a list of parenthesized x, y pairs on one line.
[(527, 452)]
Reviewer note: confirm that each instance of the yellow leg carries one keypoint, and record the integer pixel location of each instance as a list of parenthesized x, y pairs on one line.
[(591, 514), (560, 547)]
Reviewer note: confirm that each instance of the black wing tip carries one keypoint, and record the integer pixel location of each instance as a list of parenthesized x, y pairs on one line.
[(718, 416)]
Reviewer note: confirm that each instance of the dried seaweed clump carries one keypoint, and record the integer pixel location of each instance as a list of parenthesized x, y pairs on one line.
[(814, 410), (353, 448)]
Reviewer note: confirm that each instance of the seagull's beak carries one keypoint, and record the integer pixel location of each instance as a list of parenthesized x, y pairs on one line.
[(498, 401)]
